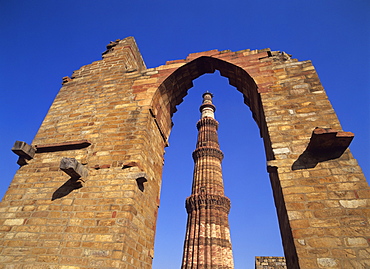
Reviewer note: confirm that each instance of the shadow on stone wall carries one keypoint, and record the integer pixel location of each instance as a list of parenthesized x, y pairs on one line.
[(66, 188)]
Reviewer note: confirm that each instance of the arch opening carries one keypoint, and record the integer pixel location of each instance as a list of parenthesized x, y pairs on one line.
[(254, 227), (174, 88)]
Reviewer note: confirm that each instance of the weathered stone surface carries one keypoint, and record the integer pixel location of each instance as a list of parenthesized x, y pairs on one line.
[(353, 203), (73, 168), (24, 151), (357, 242), (270, 262), (327, 263), (125, 111)]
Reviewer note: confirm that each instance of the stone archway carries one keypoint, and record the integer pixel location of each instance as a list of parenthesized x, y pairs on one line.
[(174, 88), (253, 219), (304, 148), (117, 128)]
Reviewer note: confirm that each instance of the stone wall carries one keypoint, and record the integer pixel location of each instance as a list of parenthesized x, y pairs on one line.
[(114, 117), (270, 263), (109, 222)]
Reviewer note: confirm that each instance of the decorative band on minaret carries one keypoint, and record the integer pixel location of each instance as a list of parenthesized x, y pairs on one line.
[(207, 242)]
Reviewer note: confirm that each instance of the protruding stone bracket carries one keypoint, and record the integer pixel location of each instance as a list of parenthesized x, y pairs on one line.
[(140, 177), (70, 145), (272, 166), (325, 144), (326, 141), (24, 151), (66, 79), (73, 168), (151, 253)]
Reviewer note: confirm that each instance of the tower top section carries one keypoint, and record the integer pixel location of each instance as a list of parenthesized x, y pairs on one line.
[(207, 108)]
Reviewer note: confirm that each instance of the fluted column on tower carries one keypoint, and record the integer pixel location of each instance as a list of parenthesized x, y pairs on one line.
[(207, 242)]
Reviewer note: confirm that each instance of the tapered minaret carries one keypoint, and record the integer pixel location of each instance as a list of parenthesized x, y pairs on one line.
[(207, 243)]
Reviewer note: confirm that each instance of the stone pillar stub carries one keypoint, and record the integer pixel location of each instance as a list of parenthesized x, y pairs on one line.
[(24, 150), (73, 168)]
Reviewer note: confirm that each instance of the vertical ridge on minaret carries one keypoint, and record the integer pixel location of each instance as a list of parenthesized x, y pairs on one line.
[(207, 241)]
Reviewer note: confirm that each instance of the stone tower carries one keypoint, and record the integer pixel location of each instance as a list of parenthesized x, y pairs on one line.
[(207, 242)]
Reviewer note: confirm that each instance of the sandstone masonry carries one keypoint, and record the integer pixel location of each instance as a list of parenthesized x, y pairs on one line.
[(122, 111)]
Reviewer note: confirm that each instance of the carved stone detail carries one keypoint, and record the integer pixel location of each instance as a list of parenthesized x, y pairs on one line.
[(213, 152), (207, 122), (211, 201)]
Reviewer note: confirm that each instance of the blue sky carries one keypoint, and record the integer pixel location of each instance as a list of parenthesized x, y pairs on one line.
[(43, 41)]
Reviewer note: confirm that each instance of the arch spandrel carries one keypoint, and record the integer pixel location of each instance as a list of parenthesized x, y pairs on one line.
[(174, 87)]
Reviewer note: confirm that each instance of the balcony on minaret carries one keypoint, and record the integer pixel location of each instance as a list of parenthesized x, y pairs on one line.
[(207, 108)]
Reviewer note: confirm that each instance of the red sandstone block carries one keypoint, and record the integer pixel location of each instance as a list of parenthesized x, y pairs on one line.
[(141, 88), (175, 61), (226, 55), (163, 74), (253, 58), (264, 88), (193, 56)]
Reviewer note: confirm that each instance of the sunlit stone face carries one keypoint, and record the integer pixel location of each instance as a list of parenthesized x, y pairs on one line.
[(208, 112)]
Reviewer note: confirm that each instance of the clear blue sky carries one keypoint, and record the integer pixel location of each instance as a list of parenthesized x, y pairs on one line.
[(45, 40)]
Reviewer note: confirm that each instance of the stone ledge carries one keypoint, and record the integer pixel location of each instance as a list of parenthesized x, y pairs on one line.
[(326, 141), (325, 144), (71, 145)]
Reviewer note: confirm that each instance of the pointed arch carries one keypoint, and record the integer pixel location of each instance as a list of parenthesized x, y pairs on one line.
[(173, 89)]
